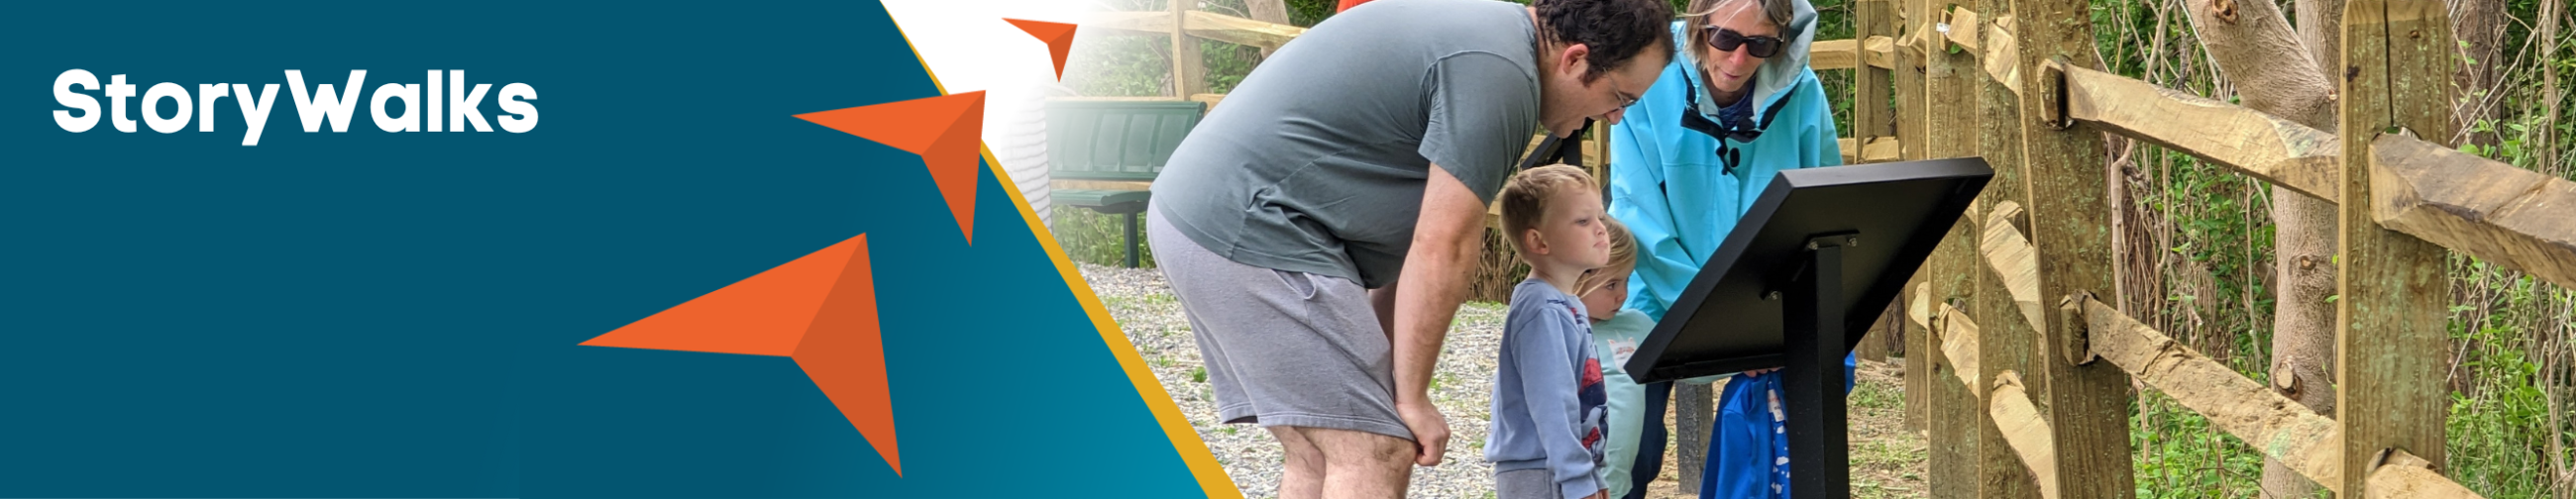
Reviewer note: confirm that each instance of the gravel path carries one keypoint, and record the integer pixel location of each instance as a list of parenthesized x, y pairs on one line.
[(1462, 385)]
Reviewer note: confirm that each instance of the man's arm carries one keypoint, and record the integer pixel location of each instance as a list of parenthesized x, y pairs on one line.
[(1446, 242)]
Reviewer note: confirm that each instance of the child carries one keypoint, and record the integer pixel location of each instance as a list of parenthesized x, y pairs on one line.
[(1547, 434), (1637, 432), (1636, 449)]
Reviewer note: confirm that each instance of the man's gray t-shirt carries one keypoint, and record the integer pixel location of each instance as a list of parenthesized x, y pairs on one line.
[(1316, 163)]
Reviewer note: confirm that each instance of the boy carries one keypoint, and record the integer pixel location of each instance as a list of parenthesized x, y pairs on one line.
[(1635, 454), (1549, 408)]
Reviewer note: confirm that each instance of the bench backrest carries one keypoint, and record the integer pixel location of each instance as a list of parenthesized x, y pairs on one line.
[(1115, 140)]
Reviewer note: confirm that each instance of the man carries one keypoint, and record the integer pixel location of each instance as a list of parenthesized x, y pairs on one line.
[(1321, 226)]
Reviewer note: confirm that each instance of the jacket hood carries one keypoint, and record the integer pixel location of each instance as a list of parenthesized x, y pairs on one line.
[(1778, 74)]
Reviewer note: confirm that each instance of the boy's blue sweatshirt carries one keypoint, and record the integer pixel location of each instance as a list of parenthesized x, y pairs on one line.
[(1549, 407)]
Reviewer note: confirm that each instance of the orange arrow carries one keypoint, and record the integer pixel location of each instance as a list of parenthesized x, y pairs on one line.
[(1058, 37), (819, 309), (947, 132)]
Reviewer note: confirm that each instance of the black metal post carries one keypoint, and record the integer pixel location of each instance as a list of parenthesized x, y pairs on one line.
[(1131, 239), (1819, 452)]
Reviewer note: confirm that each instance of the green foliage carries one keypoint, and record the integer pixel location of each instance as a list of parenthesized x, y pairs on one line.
[(2499, 423), (1877, 396), (1091, 237), (2179, 455)]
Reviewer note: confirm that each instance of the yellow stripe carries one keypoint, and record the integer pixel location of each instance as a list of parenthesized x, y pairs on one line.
[(1211, 477)]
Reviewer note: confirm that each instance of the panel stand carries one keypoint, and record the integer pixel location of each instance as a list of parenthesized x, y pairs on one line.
[(1819, 442)]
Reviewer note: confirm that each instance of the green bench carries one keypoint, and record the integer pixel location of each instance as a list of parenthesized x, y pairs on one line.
[(1103, 154)]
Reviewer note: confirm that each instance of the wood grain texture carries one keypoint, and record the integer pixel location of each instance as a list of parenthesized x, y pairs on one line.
[(2277, 426), (2087, 404), (2391, 345), (2405, 476), (1961, 29), (2014, 261), (2002, 344), (1872, 112), (2001, 61), (2027, 432), (2264, 146), (1869, 150), (1189, 65), (1948, 117), (1911, 118), (1959, 347), (2496, 212), (1202, 24)]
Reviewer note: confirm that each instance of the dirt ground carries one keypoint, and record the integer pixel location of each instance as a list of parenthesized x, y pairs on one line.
[(1886, 462)]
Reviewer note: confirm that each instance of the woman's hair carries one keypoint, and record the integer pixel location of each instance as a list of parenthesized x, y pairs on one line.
[(1623, 256), (1779, 12), (1615, 30)]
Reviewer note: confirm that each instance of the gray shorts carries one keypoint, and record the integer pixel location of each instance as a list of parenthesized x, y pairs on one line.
[(1282, 348)]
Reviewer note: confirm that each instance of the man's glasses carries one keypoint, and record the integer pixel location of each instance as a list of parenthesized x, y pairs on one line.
[(1724, 39), (1625, 100)]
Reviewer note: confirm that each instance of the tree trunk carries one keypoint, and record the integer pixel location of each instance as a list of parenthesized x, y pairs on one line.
[(1273, 11), (2277, 69), (2552, 12), (2480, 26)]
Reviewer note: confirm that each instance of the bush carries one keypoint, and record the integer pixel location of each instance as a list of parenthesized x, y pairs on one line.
[(1091, 237)]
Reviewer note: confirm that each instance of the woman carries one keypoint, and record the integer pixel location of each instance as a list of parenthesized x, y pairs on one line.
[(1737, 105)]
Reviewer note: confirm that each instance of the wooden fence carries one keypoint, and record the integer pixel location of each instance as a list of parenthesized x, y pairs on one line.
[(2018, 374), (2034, 402)]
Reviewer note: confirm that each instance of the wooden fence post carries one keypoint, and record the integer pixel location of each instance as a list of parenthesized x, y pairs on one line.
[(1189, 67), (2004, 341), (1949, 130), (2087, 404), (2389, 314), (1872, 117), (1911, 119)]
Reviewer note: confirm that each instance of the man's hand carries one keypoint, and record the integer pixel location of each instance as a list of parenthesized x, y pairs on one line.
[(1430, 431), (1446, 241), (1603, 494)]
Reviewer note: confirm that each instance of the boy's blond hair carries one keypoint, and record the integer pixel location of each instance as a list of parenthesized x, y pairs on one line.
[(1525, 197), (1623, 257)]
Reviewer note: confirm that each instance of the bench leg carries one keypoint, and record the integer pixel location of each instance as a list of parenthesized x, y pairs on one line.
[(1131, 240)]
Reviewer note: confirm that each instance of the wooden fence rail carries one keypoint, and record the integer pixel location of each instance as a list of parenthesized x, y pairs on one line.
[(2034, 247), (2403, 196), (2477, 206)]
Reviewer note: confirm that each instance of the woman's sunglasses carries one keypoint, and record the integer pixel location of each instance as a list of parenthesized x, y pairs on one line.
[(1725, 40)]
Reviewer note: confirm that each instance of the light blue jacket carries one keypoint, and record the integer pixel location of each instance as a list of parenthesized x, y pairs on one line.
[(1671, 188), (1680, 190)]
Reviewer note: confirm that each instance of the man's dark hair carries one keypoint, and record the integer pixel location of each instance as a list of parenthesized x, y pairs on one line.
[(1615, 30)]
